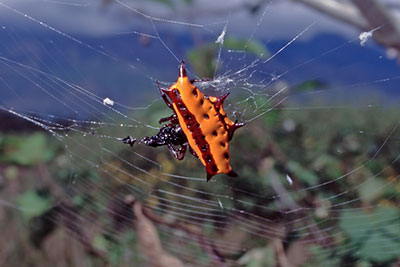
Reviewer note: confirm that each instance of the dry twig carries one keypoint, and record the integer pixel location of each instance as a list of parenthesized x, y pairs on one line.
[(366, 15)]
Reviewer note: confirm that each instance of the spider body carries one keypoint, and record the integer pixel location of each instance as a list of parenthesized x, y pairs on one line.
[(200, 122), (170, 135)]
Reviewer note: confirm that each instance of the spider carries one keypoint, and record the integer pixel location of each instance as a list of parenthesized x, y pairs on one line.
[(198, 123)]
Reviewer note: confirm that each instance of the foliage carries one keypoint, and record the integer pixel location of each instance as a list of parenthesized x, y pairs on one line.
[(372, 234), (246, 46), (26, 150), (375, 234), (203, 58), (33, 204)]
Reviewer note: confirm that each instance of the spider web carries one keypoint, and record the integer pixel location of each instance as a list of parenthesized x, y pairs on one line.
[(310, 182)]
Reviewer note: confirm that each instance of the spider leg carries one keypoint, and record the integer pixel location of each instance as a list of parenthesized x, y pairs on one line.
[(156, 140), (173, 119), (153, 141), (178, 153), (164, 96)]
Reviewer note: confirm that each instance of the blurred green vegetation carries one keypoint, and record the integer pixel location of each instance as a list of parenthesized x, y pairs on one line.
[(44, 183), (204, 58)]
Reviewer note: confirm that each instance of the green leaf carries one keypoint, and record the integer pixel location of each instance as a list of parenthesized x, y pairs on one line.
[(379, 248), (371, 190), (273, 117), (329, 164), (320, 257), (99, 242), (374, 166), (32, 204), (302, 173), (375, 235), (251, 46), (203, 60), (27, 151), (354, 224)]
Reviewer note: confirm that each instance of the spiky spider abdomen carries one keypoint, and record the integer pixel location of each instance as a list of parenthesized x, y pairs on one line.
[(204, 123)]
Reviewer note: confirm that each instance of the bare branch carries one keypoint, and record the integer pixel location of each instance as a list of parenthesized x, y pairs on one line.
[(149, 240), (341, 11), (378, 15), (151, 244), (366, 15), (280, 253)]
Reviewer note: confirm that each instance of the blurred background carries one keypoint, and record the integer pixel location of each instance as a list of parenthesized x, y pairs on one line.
[(316, 83)]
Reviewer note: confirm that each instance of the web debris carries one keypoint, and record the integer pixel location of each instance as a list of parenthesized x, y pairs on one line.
[(289, 179), (108, 101), (364, 36), (221, 37)]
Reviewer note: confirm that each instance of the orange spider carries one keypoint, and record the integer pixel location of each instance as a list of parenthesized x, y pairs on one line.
[(199, 123)]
